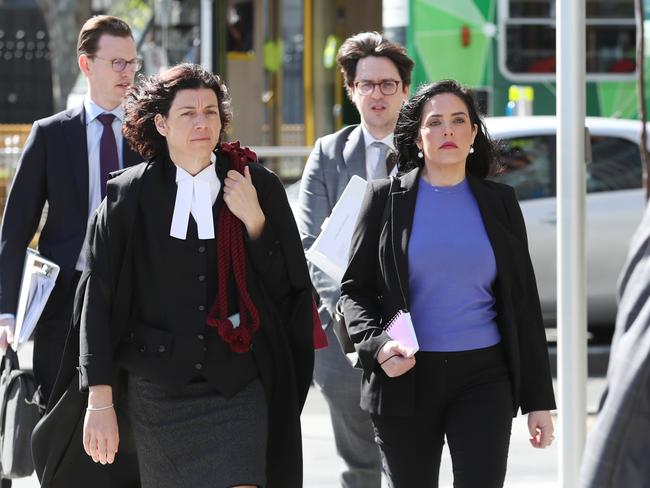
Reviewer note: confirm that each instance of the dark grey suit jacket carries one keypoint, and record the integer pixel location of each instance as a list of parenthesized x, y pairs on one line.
[(54, 169), (378, 273), (334, 160), (618, 446)]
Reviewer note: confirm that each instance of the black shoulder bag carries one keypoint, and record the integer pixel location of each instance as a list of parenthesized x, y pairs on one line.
[(20, 410)]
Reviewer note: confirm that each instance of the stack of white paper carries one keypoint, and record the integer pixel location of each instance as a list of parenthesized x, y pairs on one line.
[(331, 249), (39, 277)]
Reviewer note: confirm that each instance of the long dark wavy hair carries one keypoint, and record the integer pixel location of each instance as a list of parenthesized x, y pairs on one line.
[(155, 94), (481, 163)]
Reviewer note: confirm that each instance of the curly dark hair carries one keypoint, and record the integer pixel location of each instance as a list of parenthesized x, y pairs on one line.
[(481, 163), (155, 94), (367, 44)]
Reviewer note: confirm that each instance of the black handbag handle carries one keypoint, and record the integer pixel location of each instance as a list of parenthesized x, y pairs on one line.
[(10, 363), (10, 360)]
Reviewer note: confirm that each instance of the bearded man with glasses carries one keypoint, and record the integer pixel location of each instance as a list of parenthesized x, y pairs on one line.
[(377, 75), (65, 163)]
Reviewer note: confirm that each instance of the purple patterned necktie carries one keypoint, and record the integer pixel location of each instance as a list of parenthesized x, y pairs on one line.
[(107, 151)]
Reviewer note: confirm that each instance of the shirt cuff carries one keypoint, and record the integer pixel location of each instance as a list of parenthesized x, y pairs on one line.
[(7, 316)]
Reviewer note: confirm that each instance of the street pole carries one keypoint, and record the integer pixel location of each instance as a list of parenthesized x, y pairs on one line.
[(206, 34), (571, 277), (395, 19), (640, 88)]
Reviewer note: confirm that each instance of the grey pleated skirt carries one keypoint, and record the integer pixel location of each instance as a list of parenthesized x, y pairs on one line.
[(198, 438)]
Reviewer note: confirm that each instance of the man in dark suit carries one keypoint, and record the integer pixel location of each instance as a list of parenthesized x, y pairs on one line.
[(65, 163), (377, 76)]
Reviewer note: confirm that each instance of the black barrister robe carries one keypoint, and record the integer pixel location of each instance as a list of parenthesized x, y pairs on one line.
[(283, 346)]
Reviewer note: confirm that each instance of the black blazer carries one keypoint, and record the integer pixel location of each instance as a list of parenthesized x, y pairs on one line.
[(378, 265), (54, 169)]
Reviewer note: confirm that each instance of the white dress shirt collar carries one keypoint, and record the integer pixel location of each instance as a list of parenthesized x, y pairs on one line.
[(195, 195), (368, 138), (93, 110)]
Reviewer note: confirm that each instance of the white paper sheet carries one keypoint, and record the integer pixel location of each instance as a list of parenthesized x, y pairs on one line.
[(331, 249), (39, 277)]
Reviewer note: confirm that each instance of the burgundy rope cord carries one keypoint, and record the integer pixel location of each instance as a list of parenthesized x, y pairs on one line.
[(231, 255)]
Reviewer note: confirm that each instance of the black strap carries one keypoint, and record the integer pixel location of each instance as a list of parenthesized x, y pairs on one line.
[(10, 363), (10, 360)]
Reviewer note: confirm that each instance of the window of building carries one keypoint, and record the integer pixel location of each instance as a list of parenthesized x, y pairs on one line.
[(240, 26), (527, 48)]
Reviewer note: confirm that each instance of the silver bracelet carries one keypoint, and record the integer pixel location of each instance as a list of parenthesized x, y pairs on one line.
[(97, 409)]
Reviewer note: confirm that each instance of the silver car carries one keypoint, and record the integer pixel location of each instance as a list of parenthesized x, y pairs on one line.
[(615, 203)]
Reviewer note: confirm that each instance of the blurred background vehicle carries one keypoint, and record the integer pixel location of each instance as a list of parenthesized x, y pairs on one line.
[(615, 203)]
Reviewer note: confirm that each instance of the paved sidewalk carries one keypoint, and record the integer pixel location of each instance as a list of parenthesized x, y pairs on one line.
[(527, 467)]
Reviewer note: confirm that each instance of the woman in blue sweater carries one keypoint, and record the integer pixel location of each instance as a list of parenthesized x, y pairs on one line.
[(449, 247)]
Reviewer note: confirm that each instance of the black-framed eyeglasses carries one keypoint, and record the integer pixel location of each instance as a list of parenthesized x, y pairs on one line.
[(386, 87), (120, 64)]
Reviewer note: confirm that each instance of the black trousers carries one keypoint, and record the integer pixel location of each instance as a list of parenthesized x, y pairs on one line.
[(52, 330), (464, 396)]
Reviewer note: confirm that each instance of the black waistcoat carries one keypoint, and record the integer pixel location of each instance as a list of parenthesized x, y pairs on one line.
[(175, 283)]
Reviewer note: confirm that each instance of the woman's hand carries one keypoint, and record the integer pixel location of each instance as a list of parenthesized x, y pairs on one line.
[(241, 197), (100, 435), (540, 426), (395, 358)]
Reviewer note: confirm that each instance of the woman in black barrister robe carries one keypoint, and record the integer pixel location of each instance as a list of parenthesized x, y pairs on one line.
[(194, 316)]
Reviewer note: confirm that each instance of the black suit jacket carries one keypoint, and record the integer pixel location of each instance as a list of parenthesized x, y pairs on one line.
[(378, 272), (54, 169)]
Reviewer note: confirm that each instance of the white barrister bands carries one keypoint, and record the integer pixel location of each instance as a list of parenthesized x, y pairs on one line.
[(196, 196)]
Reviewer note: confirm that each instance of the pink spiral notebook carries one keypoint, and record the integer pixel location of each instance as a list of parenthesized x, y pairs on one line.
[(400, 328)]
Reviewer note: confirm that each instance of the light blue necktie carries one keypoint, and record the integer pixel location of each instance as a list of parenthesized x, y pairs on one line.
[(380, 170)]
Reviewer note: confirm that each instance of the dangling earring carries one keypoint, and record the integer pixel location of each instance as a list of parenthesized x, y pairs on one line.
[(420, 154), (471, 149)]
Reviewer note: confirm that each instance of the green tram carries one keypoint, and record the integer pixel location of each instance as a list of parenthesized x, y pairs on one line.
[(491, 45)]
